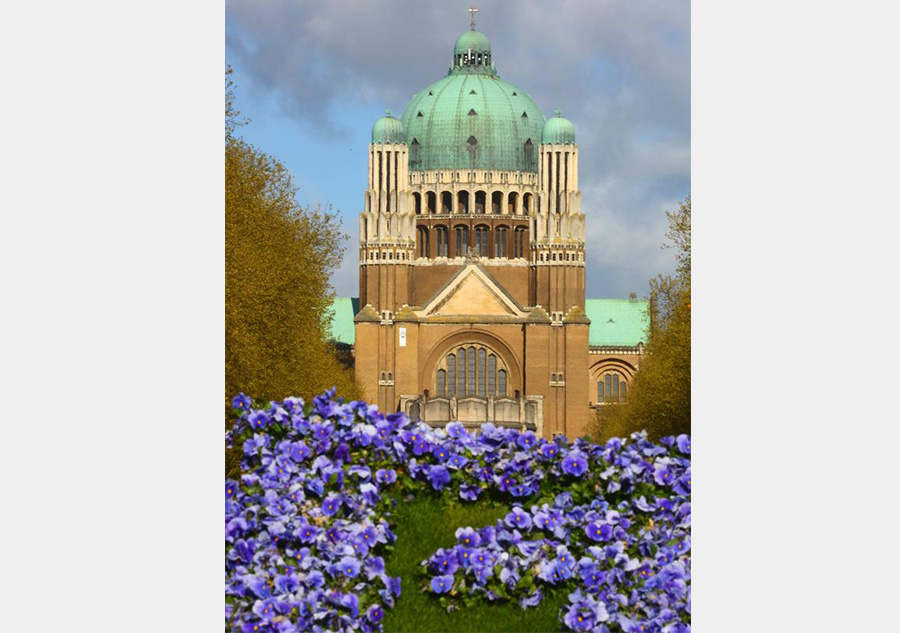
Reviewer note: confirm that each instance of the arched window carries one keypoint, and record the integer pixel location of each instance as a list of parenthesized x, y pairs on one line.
[(451, 374), (497, 202), (474, 369), (462, 201), (470, 371), (480, 198), (423, 241), (519, 242), (417, 198), (443, 249), (482, 371), (511, 204), (481, 240), (492, 374), (526, 203), (446, 202), (431, 198), (462, 240), (472, 144), (500, 234), (529, 155), (414, 151), (612, 388)]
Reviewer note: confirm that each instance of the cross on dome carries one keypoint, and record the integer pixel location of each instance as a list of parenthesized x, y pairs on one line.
[(472, 12)]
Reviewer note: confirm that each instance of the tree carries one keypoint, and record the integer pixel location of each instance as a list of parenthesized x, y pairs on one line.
[(660, 396), (233, 118), (278, 260)]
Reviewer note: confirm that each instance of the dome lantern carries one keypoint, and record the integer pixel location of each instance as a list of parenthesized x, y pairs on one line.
[(472, 54)]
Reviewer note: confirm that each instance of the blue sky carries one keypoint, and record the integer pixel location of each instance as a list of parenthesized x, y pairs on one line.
[(314, 76)]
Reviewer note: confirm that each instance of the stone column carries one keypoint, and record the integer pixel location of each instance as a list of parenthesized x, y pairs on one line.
[(551, 181), (575, 169)]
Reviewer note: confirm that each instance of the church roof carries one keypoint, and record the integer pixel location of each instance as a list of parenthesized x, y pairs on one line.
[(614, 322), (343, 330), (472, 119), (617, 322)]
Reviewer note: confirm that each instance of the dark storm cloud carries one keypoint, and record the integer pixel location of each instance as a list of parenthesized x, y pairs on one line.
[(620, 70)]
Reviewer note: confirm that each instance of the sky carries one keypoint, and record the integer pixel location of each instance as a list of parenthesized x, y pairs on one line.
[(313, 77)]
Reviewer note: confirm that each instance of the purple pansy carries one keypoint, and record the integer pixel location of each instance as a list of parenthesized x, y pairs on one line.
[(439, 477), (442, 584), (316, 490), (518, 518), (241, 402), (597, 531), (575, 463), (662, 475), (331, 504), (386, 476)]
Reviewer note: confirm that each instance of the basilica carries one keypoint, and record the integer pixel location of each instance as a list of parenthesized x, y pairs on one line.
[(471, 301)]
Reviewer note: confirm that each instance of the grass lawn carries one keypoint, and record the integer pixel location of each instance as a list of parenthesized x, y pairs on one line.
[(424, 525)]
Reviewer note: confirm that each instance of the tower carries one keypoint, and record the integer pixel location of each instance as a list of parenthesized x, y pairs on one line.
[(558, 229), (386, 226)]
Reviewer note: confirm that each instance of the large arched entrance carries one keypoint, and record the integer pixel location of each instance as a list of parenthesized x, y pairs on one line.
[(473, 377)]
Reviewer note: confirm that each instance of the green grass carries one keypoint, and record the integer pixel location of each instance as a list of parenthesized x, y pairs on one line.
[(424, 525)]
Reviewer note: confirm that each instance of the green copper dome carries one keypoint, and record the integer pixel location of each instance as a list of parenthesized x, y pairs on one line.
[(387, 129), (558, 130), (472, 119), (473, 40)]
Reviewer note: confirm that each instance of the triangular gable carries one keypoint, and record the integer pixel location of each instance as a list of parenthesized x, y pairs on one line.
[(472, 292)]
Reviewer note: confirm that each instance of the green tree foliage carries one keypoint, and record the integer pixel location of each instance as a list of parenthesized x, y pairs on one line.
[(278, 260), (660, 396)]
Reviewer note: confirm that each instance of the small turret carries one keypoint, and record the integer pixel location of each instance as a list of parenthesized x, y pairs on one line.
[(387, 129), (558, 131)]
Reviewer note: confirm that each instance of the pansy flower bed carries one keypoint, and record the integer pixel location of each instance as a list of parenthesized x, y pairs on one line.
[(307, 526)]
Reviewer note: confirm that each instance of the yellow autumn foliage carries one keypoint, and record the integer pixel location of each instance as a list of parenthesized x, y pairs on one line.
[(279, 257)]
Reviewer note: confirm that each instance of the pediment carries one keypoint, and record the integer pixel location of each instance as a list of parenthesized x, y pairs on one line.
[(472, 293)]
